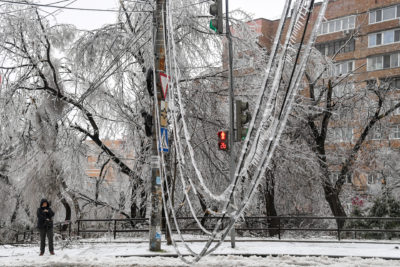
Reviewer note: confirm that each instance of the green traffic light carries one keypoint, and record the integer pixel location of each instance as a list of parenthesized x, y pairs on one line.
[(244, 136), (212, 26)]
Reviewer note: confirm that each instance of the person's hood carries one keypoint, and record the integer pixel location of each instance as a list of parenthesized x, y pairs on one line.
[(44, 200)]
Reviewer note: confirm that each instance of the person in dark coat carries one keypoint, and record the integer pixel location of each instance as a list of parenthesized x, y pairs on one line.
[(45, 225)]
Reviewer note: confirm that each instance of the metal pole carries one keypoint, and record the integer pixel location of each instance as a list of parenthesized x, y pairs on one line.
[(115, 229), (232, 164), (156, 195), (279, 228)]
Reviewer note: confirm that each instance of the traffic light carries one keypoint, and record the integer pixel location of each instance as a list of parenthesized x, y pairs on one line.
[(216, 24), (223, 140), (242, 117)]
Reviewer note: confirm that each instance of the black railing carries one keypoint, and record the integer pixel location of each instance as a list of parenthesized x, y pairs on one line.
[(279, 224), (62, 228), (358, 227)]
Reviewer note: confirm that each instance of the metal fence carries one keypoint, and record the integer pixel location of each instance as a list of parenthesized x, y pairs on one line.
[(62, 228), (341, 227)]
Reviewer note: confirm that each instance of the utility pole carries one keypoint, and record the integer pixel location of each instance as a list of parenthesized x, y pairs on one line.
[(159, 65), (226, 142), (232, 165)]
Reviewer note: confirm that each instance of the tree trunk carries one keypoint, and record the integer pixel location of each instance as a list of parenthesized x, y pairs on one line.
[(133, 210), (204, 208), (74, 199), (142, 208), (331, 193), (269, 195), (332, 197), (17, 204), (67, 212)]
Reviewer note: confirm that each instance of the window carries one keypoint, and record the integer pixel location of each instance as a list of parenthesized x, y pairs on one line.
[(350, 46), (388, 37), (331, 48), (394, 132), (372, 17), (324, 28), (334, 176), (347, 134), (345, 24), (337, 25), (352, 22), (379, 15), (386, 61), (373, 178), (379, 39), (384, 38), (331, 26), (389, 13), (343, 68), (371, 40), (375, 63), (338, 46), (349, 178), (394, 60), (383, 62), (375, 133), (397, 36), (384, 14), (340, 134), (395, 84), (344, 114)]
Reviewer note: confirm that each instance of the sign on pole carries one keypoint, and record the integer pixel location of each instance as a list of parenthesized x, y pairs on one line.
[(164, 79), (163, 144)]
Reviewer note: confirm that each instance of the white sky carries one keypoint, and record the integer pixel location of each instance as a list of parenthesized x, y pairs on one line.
[(270, 9)]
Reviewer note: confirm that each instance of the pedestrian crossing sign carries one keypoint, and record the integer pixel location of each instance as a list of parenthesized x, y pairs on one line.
[(163, 144)]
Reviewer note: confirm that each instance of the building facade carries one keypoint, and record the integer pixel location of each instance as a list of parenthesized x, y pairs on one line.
[(100, 166), (363, 37)]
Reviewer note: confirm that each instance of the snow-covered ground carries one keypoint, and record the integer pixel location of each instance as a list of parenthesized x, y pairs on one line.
[(128, 254)]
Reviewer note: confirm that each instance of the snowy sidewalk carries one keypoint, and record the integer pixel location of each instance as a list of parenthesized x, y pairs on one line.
[(128, 254)]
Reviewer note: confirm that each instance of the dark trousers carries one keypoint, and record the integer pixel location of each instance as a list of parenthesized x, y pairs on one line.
[(49, 233)]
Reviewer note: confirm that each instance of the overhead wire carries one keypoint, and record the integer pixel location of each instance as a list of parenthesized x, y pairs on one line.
[(165, 191), (18, 10), (59, 9), (198, 256), (76, 8), (274, 134)]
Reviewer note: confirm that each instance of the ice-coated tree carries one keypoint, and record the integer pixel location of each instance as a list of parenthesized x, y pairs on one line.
[(338, 118)]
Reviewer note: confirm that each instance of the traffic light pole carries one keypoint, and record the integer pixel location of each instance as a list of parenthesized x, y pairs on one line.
[(156, 195), (232, 165)]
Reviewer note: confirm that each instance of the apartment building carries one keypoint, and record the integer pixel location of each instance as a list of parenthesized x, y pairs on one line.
[(364, 36)]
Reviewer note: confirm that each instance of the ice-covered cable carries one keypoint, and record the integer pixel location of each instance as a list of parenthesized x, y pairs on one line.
[(275, 132)]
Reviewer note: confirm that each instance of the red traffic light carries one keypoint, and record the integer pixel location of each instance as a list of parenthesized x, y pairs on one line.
[(222, 146), (223, 140)]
